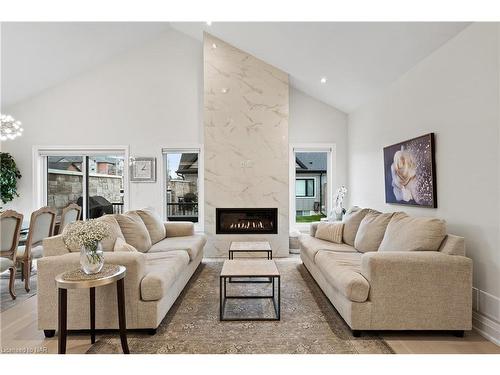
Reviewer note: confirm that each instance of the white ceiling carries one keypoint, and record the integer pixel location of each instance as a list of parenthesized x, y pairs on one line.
[(36, 56), (359, 59)]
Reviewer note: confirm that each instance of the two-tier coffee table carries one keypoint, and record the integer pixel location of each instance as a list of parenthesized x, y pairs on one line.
[(250, 268), (77, 279), (250, 247)]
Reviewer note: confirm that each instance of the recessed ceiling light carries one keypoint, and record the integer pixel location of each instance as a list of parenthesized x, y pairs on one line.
[(323, 80), (214, 45), (209, 23)]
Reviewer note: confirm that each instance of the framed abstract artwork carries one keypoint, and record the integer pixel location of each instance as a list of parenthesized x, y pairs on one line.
[(143, 169), (410, 172)]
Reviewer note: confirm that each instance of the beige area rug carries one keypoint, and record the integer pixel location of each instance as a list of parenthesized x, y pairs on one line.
[(309, 323)]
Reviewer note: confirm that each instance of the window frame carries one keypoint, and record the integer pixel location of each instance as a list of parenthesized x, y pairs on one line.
[(305, 179), (331, 177), (185, 148), (40, 169)]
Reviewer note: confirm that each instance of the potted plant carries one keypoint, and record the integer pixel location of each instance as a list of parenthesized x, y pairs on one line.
[(338, 200), (87, 235), (9, 174)]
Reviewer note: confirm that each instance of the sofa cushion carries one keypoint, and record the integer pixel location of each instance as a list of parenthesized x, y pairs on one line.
[(342, 271), (405, 233), (371, 231), (134, 230), (192, 244), (311, 245), (108, 244), (351, 220), (330, 231), (154, 225), (160, 274), (121, 245), (179, 228)]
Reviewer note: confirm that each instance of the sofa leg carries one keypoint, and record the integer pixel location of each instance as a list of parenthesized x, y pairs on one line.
[(152, 331), (458, 333), (356, 333), (49, 332)]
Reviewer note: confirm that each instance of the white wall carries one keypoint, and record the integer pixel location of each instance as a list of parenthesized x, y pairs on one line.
[(148, 98), (312, 121), (454, 93)]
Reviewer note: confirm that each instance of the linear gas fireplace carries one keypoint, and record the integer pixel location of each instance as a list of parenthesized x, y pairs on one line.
[(246, 220)]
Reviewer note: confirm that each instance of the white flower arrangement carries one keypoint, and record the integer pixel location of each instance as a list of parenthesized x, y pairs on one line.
[(86, 234), (339, 196)]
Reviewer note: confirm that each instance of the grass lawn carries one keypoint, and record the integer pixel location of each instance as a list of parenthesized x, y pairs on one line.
[(309, 219)]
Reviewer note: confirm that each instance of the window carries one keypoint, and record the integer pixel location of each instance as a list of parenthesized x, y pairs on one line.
[(182, 184), (93, 179), (311, 178), (304, 187)]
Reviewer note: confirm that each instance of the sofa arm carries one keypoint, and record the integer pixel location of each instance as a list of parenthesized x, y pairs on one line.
[(179, 228), (49, 267), (419, 285), (53, 246)]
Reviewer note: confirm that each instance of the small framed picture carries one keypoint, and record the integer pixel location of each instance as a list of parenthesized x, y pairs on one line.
[(143, 169)]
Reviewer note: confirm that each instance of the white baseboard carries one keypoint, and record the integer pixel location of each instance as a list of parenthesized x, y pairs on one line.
[(486, 327), (486, 315)]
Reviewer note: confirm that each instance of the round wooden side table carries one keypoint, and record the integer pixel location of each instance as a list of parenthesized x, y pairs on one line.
[(77, 279)]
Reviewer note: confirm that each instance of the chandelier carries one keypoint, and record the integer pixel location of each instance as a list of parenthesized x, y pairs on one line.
[(9, 127)]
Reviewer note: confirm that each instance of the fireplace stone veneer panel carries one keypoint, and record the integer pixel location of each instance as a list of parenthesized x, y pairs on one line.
[(245, 141)]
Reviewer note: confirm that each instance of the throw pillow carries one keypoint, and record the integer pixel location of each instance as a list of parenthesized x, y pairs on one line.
[(330, 231), (108, 243), (115, 232), (122, 246), (134, 230), (405, 233), (371, 231), (154, 224), (352, 219)]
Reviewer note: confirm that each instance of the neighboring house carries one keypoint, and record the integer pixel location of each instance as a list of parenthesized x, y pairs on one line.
[(182, 191), (310, 183)]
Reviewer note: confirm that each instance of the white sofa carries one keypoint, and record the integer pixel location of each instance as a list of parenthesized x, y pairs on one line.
[(160, 259), (392, 272)]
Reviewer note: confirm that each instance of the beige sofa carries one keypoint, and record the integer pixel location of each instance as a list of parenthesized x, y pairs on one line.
[(160, 259), (392, 272)]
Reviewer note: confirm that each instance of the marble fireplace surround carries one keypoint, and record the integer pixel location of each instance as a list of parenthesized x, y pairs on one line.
[(245, 141)]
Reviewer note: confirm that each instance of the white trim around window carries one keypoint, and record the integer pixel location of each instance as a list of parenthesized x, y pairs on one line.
[(178, 148), (331, 176), (39, 154)]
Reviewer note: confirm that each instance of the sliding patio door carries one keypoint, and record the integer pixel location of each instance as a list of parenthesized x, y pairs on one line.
[(93, 180)]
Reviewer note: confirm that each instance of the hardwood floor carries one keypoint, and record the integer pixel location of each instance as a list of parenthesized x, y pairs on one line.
[(19, 332)]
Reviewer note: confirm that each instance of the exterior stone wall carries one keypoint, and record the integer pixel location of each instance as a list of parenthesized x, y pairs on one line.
[(66, 188)]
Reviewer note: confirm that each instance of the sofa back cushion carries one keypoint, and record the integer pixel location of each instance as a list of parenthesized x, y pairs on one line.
[(154, 225), (330, 231), (352, 219), (134, 230), (405, 233), (371, 231)]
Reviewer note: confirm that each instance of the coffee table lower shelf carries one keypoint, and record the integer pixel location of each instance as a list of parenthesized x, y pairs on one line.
[(276, 297)]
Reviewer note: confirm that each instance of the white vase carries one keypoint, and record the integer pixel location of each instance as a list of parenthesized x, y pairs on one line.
[(91, 259)]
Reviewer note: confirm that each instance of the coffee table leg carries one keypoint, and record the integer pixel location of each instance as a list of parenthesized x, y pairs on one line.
[(279, 298), (62, 303), (92, 315), (221, 307), (120, 291)]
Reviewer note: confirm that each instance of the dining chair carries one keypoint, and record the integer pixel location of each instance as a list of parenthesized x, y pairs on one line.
[(42, 224), (69, 215), (11, 222)]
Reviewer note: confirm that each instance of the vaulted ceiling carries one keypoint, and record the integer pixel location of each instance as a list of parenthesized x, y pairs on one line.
[(357, 59)]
